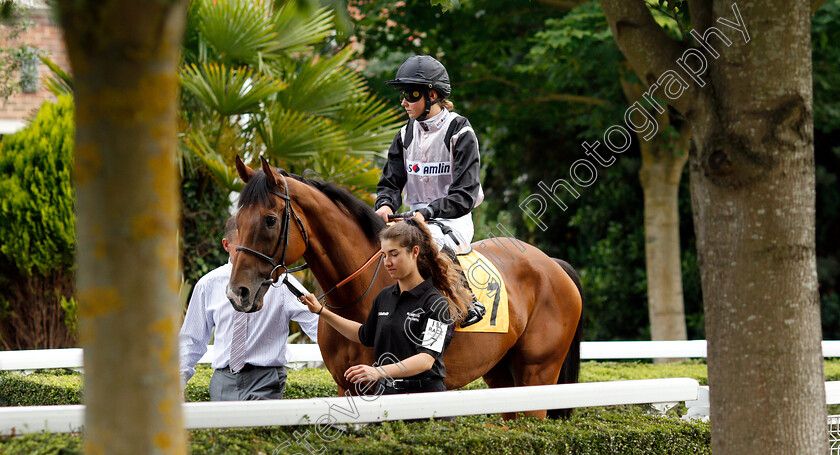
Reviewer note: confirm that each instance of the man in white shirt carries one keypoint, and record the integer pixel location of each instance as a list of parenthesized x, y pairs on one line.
[(250, 351)]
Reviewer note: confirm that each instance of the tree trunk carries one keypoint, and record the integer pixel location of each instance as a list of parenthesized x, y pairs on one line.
[(125, 58), (663, 160), (752, 184), (662, 165), (753, 198)]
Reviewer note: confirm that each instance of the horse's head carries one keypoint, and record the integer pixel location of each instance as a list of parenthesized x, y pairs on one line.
[(271, 235)]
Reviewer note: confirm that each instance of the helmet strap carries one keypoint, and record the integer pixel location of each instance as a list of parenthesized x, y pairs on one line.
[(428, 105)]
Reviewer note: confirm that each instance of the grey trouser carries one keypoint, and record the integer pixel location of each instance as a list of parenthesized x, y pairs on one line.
[(259, 383)]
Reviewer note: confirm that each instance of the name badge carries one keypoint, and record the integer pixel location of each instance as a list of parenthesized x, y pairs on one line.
[(434, 335)]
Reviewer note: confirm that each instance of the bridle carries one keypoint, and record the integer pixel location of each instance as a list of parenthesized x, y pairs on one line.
[(288, 212)]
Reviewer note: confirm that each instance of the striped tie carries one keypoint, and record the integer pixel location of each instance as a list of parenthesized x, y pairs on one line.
[(240, 339)]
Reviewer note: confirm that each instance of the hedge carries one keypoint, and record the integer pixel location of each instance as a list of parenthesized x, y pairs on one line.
[(630, 432), (41, 388), (589, 433)]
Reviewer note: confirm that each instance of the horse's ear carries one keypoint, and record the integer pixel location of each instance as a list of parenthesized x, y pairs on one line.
[(268, 171), (245, 172)]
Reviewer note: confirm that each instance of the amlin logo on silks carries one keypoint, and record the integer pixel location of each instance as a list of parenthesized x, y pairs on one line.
[(419, 168)]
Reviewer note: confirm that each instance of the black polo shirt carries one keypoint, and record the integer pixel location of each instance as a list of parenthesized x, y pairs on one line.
[(401, 325)]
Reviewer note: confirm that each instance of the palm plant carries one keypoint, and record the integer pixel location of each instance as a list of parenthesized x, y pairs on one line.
[(264, 77)]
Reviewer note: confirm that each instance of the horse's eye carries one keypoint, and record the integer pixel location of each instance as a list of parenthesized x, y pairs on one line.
[(270, 220)]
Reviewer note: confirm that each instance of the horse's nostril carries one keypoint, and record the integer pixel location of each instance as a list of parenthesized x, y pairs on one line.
[(243, 293)]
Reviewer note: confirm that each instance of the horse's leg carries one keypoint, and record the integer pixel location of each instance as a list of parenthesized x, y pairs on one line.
[(536, 374), (538, 357), (500, 376)]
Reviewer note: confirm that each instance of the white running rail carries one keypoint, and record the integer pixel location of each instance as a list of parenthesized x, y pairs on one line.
[(699, 408), (70, 418), (589, 350)]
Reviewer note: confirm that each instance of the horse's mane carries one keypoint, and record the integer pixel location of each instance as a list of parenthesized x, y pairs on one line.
[(258, 191)]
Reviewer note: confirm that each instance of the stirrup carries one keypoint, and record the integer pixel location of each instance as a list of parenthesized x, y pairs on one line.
[(474, 315)]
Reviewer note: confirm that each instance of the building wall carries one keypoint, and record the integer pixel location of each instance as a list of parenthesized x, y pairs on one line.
[(43, 34)]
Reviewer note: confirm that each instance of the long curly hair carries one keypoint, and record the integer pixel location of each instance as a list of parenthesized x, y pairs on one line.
[(445, 274)]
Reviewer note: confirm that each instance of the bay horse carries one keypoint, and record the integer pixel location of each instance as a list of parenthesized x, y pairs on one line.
[(284, 217)]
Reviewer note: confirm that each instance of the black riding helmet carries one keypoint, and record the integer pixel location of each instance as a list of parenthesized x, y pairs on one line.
[(425, 72)]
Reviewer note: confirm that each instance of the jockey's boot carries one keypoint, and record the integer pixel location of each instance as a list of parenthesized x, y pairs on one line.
[(476, 310), (475, 313)]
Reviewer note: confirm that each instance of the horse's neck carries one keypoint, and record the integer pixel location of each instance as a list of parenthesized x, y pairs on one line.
[(337, 249)]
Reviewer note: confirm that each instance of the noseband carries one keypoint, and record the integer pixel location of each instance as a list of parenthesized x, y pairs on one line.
[(288, 212)]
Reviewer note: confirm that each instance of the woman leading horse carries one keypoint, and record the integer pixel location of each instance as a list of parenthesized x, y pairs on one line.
[(283, 217)]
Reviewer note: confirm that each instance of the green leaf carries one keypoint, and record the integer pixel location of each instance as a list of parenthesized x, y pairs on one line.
[(322, 86), (290, 134), (667, 14), (60, 83), (255, 84), (293, 32), (446, 5), (358, 174), (238, 30), (224, 173), (228, 91), (370, 124)]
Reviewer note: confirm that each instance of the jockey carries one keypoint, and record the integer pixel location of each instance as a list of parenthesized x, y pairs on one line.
[(434, 161)]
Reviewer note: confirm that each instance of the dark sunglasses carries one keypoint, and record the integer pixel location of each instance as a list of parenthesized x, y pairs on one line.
[(412, 96)]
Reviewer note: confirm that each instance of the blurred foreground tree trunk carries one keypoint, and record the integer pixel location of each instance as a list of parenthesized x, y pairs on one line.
[(750, 108), (125, 56)]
